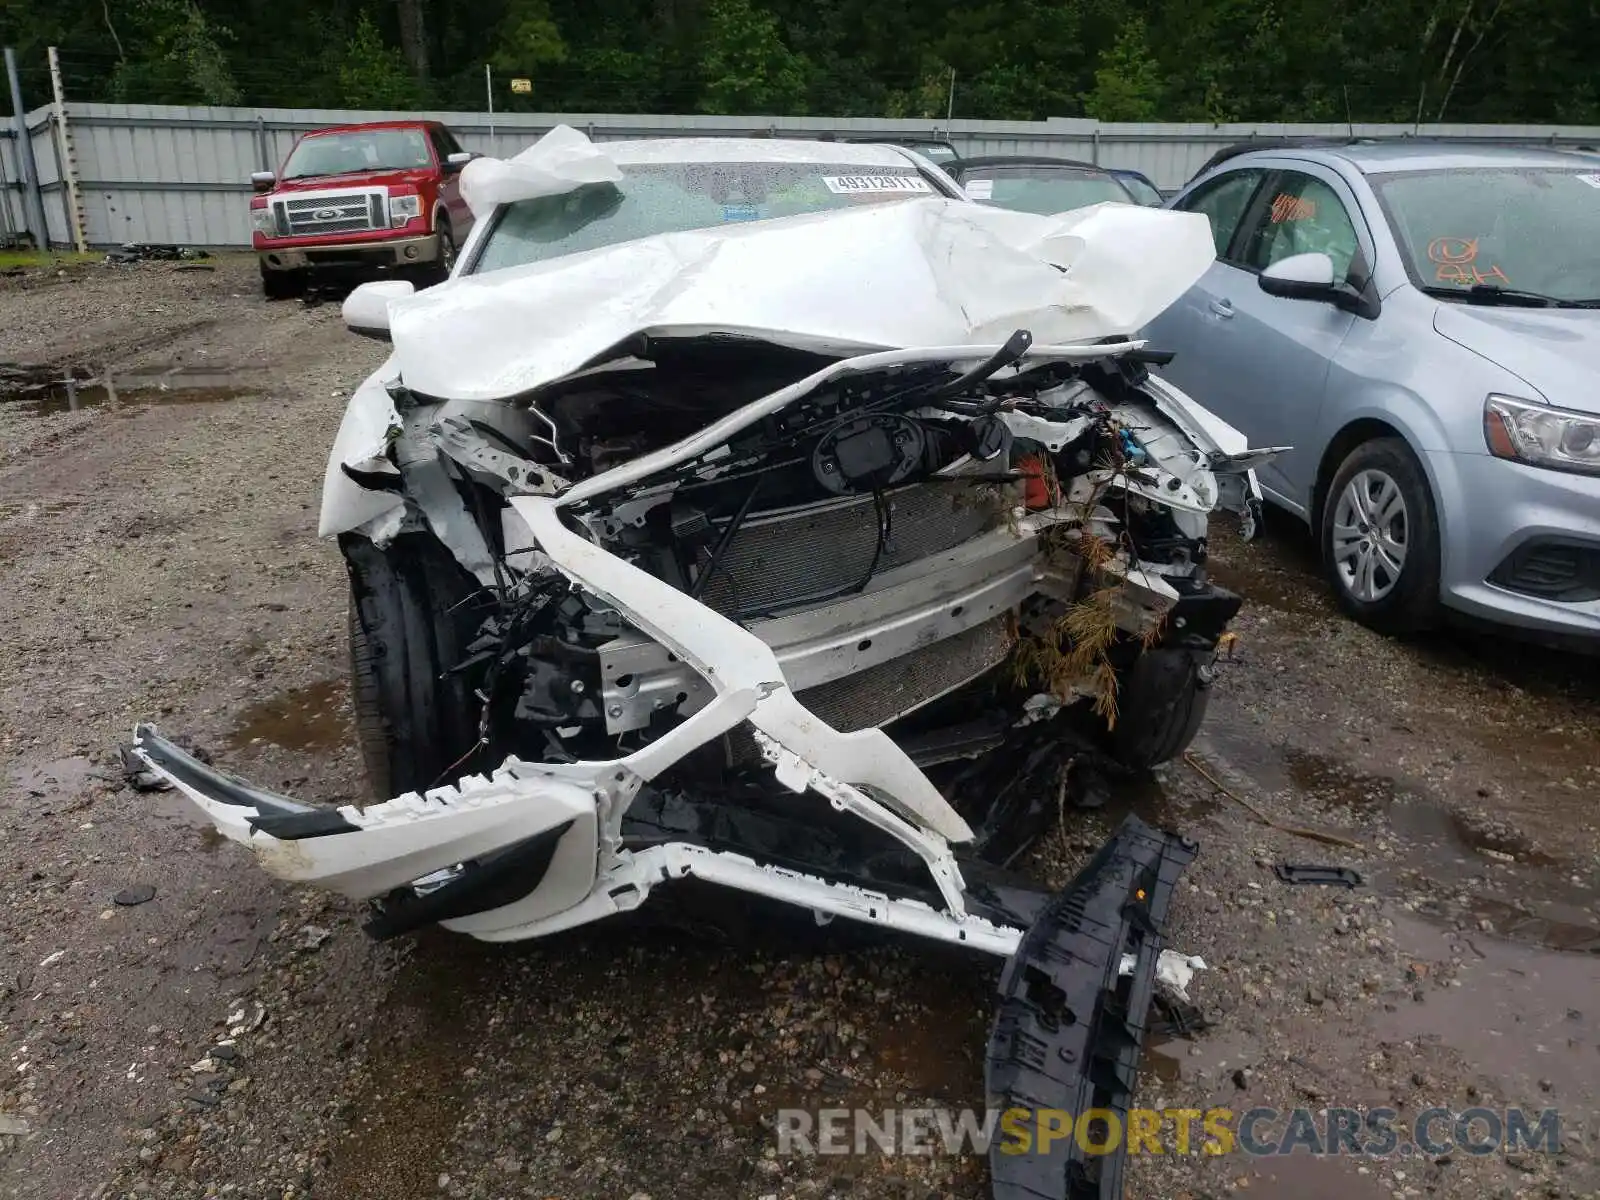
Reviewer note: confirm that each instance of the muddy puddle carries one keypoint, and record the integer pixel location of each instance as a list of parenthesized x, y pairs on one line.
[(1525, 1016), (48, 390), (315, 717), (1287, 590)]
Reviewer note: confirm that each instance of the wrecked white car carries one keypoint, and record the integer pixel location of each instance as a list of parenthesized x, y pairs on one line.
[(764, 513)]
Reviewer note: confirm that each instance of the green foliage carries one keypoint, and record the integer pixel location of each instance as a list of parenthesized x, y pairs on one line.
[(530, 41), (183, 60), (1175, 60), (745, 65), (1127, 82), (375, 75)]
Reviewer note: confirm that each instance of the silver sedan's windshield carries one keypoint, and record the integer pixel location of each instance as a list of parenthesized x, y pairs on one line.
[(1528, 230), (658, 198)]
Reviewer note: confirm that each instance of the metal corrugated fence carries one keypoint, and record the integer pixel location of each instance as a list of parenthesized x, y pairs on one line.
[(170, 174)]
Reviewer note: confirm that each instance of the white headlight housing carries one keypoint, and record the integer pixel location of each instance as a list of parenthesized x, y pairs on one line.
[(1542, 436), (265, 221), (404, 208)]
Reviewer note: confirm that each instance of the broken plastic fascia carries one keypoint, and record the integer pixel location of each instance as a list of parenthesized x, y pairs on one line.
[(628, 879), (1238, 491)]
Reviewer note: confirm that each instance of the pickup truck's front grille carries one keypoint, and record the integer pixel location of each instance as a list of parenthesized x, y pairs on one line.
[(333, 212)]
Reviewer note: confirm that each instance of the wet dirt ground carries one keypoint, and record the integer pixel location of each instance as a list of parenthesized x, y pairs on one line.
[(173, 1023)]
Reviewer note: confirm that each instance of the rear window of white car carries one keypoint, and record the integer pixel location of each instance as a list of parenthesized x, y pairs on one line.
[(658, 198)]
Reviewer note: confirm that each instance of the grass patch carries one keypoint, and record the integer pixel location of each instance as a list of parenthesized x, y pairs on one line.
[(36, 259)]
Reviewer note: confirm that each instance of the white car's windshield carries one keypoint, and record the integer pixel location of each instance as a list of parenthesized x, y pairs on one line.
[(1532, 230), (366, 150), (1043, 190), (658, 198)]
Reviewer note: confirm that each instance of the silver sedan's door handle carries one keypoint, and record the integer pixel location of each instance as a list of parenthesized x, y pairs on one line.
[(1222, 308)]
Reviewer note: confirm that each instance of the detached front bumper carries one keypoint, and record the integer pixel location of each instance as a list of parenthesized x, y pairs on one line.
[(399, 252)]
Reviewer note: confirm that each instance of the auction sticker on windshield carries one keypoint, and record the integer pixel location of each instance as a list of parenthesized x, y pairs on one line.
[(858, 185)]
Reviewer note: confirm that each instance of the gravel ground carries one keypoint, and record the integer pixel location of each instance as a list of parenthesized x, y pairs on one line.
[(230, 1037)]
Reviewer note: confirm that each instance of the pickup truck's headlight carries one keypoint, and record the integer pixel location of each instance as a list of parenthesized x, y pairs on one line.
[(404, 208), (265, 221), (1542, 436)]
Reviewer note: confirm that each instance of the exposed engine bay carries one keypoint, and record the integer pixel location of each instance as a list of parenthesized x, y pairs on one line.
[(880, 533)]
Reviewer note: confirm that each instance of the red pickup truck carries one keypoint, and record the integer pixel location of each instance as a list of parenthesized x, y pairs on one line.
[(358, 201)]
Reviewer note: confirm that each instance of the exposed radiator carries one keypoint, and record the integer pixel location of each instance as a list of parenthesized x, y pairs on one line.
[(884, 693), (784, 559), (892, 689)]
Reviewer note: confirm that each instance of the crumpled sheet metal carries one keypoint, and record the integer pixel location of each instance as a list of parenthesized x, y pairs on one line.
[(926, 272), (561, 161)]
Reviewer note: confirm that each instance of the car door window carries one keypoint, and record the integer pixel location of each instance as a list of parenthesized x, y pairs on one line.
[(1304, 216), (441, 147), (1223, 201)]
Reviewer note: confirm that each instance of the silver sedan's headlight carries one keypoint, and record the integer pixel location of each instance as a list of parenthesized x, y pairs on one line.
[(404, 208), (1542, 436), (265, 221)]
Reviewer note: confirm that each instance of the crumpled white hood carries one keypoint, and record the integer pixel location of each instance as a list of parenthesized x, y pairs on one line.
[(887, 276)]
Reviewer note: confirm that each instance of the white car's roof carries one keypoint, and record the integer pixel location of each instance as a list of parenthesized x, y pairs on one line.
[(746, 150)]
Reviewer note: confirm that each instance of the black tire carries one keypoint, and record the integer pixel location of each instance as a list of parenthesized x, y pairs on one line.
[(444, 256), (282, 285), (409, 625), (1161, 701), (1411, 603)]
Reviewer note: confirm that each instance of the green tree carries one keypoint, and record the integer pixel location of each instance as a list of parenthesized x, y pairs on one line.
[(529, 40), (745, 65), (177, 57), (1127, 81), (375, 75)]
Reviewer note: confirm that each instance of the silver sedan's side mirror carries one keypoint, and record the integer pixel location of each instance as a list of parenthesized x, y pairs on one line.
[(1300, 276)]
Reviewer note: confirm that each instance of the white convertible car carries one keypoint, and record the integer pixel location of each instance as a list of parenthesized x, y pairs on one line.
[(766, 513)]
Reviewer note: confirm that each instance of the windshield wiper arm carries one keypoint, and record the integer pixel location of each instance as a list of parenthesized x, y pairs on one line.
[(1493, 293), (336, 174)]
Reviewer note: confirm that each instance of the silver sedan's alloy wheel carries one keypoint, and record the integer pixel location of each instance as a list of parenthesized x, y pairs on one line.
[(1369, 535)]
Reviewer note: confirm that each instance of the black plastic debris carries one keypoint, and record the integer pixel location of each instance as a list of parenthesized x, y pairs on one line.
[(138, 776), (1306, 873), (141, 778), (139, 893), (1069, 1028), (148, 252), (1172, 1017)]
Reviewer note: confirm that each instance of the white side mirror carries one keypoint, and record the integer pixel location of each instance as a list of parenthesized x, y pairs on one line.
[(366, 309), (1314, 269), (262, 181)]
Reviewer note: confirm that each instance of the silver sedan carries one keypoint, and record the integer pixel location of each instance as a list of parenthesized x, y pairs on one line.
[(1422, 323)]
